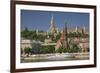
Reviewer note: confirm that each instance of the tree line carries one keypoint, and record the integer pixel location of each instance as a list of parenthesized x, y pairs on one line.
[(51, 49), (32, 35)]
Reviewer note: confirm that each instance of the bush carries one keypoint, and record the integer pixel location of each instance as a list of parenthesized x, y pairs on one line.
[(61, 50), (27, 50), (74, 49), (47, 49)]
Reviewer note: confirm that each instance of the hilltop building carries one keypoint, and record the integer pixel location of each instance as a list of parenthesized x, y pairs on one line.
[(52, 32), (64, 40), (68, 42)]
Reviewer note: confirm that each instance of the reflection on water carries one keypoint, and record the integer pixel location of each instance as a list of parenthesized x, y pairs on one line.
[(55, 57)]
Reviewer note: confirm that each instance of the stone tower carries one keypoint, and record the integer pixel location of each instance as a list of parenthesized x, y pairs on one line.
[(83, 30), (63, 41)]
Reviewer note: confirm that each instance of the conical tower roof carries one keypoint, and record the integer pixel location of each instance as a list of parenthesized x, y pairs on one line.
[(63, 41)]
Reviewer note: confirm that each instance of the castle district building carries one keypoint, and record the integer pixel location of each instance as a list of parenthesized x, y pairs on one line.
[(64, 40)]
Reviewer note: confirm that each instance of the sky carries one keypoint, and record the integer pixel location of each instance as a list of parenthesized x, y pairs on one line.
[(33, 19)]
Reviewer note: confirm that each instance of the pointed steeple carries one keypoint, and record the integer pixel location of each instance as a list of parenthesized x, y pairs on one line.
[(76, 29), (65, 28), (52, 20), (52, 26), (84, 29), (37, 31), (65, 36)]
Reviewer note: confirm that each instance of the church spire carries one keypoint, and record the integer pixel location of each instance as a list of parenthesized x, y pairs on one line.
[(76, 29), (65, 36), (52, 26), (52, 20)]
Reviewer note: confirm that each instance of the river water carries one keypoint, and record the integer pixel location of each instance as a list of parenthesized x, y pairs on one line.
[(55, 57)]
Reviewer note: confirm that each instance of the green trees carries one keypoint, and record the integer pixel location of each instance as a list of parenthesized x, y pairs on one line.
[(44, 50), (74, 49), (77, 34), (51, 49), (27, 51), (41, 36), (61, 50), (47, 49), (57, 37), (26, 34), (32, 35)]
